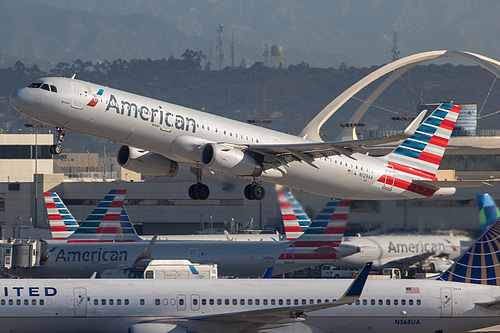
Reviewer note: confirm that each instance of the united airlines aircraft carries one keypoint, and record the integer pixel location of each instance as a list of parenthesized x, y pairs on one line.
[(401, 251), (465, 297), (157, 135), (107, 239)]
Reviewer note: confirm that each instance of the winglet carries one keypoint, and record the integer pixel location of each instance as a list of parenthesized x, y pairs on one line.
[(410, 130), (146, 254), (268, 273), (354, 292)]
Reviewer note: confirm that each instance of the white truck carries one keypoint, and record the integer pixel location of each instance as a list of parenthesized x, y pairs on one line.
[(329, 271), (163, 269)]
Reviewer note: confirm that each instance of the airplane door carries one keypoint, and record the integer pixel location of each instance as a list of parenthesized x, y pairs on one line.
[(80, 302), (77, 101), (446, 302), (389, 178), (193, 255), (290, 254), (181, 302), (195, 302)]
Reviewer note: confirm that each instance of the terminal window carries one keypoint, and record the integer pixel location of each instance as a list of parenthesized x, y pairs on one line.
[(2, 202)]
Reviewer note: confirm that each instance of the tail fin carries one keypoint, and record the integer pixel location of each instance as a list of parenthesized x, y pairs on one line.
[(425, 148), (319, 243), (295, 220), (108, 222), (480, 264), (62, 223), (488, 210)]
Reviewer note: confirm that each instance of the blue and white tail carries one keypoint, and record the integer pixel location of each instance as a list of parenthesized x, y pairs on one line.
[(421, 154), (62, 223), (488, 210), (295, 220), (480, 264), (108, 222)]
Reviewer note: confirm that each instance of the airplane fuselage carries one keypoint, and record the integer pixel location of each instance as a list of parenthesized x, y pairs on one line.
[(399, 250), (179, 134), (116, 306)]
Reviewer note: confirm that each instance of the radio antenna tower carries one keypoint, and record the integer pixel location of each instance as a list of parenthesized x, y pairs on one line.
[(219, 50), (395, 49), (232, 51)]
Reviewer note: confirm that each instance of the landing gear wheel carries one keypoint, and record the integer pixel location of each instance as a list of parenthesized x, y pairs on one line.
[(199, 191), (254, 191), (55, 149)]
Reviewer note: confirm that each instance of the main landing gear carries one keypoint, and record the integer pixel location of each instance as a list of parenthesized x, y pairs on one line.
[(198, 191), (254, 191), (57, 148)]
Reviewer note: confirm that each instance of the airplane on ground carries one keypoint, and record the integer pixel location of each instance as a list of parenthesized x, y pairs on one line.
[(157, 135), (402, 251), (107, 239), (465, 297), (62, 224)]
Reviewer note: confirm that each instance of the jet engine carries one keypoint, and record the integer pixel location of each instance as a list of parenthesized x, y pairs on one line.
[(226, 159), (146, 162)]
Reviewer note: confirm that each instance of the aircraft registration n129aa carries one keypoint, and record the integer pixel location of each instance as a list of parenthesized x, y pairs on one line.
[(465, 297), (156, 136)]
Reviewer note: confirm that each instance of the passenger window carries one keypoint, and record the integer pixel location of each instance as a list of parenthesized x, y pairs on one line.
[(118, 302), (195, 301), (142, 301), (358, 302), (2, 302), (103, 302), (365, 302), (242, 301), (111, 302), (280, 302), (319, 301), (288, 302), (257, 301), (96, 301), (410, 302), (33, 301), (372, 302), (249, 302), (53, 88), (157, 301), (403, 302), (388, 302), (26, 302), (41, 302), (18, 302), (264, 301), (11, 302), (395, 302), (273, 302), (419, 302), (380, 302), (45, 86), (226, 301), (219, 302), (126, 301), (181, 301), (203, 302), (295, 302), (211, 301)]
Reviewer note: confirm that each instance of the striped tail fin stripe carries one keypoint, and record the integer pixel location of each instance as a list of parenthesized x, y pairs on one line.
[(295, 220), (480, 263), (108, 222), (426, 147), (62, 223)]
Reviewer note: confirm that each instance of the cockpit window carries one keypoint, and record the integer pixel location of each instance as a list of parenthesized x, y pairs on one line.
[(45, 86), (35, 85), (53, 88)]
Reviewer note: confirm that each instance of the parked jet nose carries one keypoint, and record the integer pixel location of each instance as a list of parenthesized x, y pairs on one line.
[(19, 98)]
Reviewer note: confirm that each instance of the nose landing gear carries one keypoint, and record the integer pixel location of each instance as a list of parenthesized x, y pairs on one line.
[(57, 148)]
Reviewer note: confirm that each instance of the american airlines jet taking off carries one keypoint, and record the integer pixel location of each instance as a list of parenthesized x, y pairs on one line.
[(156, 136), (465, 297)]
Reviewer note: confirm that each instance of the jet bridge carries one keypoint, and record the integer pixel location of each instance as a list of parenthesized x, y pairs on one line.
[(25, 253)]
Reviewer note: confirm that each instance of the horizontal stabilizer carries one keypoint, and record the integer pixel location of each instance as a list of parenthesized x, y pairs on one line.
[(493, 305)]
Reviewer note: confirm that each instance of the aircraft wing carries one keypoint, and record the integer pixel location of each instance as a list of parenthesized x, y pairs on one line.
[(410, 260), (451, 183), (287, 314), (284, 153)]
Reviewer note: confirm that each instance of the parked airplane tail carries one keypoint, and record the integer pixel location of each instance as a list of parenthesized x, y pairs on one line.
[(295, 220), (488, 210), (62, 223), (108, 222), (320, 243), (421, 154), (480, 264)]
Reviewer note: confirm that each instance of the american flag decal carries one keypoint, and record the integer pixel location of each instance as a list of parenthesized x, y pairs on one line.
[(412, 290)]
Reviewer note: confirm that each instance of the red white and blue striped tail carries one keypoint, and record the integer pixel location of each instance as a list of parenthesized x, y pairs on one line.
[(62, 223), (320, 241), (424, 150), (295, 220), (108, 222)]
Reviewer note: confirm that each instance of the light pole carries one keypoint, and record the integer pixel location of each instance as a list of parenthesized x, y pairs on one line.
[(35, 177)]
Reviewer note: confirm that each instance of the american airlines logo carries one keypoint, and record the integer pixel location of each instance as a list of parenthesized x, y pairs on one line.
[(152, 114), (95, 100), (416, 247)]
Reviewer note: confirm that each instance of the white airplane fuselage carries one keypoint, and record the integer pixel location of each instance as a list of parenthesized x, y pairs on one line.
[(115, 306), (398, 250), (178, 133)]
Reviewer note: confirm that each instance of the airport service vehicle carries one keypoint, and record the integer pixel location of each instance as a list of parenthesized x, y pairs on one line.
[(465, 297), (157, 136)]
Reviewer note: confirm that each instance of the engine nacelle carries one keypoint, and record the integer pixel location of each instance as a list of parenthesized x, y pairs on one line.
[(156, 328), (225, 159), (146, 162)]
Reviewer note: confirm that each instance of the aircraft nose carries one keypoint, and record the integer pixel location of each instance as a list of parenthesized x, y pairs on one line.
[(19, 98)]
